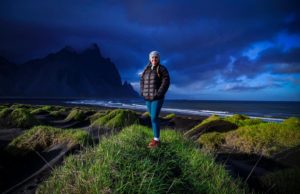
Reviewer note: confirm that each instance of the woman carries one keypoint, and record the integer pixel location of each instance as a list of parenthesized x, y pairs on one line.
[(154, 84)]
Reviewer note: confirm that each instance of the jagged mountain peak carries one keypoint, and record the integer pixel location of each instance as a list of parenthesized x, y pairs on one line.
[(93, 49)]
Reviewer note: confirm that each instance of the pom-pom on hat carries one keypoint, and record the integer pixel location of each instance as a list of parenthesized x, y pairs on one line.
[(154, 53)]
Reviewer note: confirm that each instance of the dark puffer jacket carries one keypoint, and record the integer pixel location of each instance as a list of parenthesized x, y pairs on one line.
[(154, 87)]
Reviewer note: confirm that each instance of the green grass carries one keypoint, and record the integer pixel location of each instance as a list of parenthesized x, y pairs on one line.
[(262, 138), (43, 110), (41, 137), (123, 164), (265, 138), (211, 141), (14, 106), (76, 115), (146, 114), (97, 115), (117, 118), (58, 113), (292, 121), (213, 123), (170, 116), (242, 120), (283, 181), (3, 107), (19, 117)]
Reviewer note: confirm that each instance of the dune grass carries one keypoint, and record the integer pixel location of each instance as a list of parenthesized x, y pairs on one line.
[(16, 105), (170, 116), (212, 141), (3, 107), (146, 114), (58, 113), (43, 109), (76, 115), (41, 137), (123, 164), (242, 120), (213, 123), (292, 121), (265, 138), (97, 115), (262, 138), (117, 118), (18, 117)]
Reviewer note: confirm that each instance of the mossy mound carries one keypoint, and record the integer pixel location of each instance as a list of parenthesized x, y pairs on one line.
[(123, 164), (146, 115), (211, 124), (283, 181), (292, 121), (97, 115), (41, 137), (76, 115), (265, 138), (262, 138), (19, 117), (43, 110), (242, 120), (3, 107), (170, 116), (117, 118), (15, 106), (58, 113), (212, 141)]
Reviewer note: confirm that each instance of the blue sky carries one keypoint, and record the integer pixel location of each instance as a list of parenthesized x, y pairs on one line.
[(214, 50)]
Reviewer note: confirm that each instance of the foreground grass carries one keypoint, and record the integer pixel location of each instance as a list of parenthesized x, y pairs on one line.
[(123, 164), (41, 137)]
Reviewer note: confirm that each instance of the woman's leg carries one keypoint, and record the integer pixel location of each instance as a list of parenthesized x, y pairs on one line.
[(155, 110)]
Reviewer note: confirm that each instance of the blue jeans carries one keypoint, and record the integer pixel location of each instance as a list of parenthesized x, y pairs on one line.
[(154, 110)]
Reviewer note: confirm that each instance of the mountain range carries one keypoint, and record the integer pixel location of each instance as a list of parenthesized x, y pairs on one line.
[(64, 74)]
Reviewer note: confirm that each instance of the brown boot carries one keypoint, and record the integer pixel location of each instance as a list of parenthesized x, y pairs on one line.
[(153, 144)]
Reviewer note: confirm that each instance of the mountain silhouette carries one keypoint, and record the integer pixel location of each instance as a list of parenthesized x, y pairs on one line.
[(67, 74)]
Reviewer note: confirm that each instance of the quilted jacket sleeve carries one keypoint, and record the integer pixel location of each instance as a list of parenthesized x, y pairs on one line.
[(165, 82)]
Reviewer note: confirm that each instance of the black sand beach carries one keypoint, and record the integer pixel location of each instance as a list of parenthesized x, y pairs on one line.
[(22, 174)]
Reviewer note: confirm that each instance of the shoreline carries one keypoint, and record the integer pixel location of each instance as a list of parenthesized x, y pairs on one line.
[(168, 107)]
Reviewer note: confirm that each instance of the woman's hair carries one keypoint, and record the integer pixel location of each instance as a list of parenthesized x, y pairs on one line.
[(154, 53)]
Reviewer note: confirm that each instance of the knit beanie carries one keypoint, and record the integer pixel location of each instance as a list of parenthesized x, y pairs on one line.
[(154, 53)]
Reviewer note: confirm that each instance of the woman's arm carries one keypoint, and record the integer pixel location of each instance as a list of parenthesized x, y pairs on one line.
[(165, 82), (141, 84)]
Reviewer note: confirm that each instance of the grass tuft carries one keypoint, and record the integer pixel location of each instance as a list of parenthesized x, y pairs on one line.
[(76, 115), (58, 113), (19, 117), (242, 120), (123, 164), (43, 110), (117, 118), (41, 137), (292, 121), (265, 138), (170, 116)]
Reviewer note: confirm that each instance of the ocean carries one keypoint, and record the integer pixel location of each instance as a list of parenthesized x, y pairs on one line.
[(274, 111)]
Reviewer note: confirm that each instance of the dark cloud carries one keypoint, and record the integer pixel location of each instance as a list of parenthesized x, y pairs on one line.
[(198, 40), (242, 87)]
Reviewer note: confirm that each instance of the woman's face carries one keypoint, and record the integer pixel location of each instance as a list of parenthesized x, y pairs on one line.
[(154, 60)]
